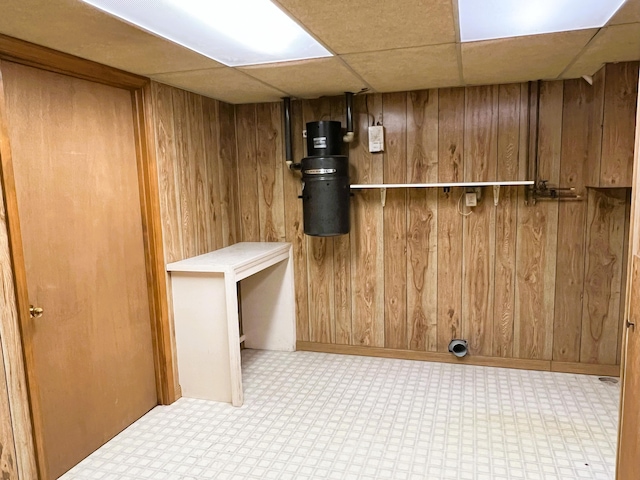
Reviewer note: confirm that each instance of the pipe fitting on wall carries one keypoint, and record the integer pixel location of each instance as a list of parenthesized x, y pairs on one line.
[(348, 137), (459, 347)]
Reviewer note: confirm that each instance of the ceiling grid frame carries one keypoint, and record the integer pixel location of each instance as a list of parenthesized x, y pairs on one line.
[(389, 46)]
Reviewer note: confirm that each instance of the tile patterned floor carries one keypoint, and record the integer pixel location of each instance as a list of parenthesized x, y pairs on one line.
[(319, 416)]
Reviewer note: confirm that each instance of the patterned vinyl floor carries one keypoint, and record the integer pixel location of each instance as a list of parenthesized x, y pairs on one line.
[(320, 416)]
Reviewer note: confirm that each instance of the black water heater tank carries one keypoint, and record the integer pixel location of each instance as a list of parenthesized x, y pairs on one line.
[(325, 181)]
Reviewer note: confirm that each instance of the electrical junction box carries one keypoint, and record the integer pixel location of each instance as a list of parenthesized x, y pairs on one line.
[(376, 139), (471, 199)]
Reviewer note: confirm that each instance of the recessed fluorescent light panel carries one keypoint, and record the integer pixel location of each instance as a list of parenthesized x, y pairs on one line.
[(233, 32), (488, 19)]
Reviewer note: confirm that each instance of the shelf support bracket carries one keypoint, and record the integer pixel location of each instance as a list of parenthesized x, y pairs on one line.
[(383, 197), (496, 194)]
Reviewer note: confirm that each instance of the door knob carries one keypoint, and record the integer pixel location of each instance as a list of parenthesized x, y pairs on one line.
[(35, 312), (631, 325)]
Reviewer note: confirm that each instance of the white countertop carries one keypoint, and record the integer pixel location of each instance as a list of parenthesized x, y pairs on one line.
[(233, 259)]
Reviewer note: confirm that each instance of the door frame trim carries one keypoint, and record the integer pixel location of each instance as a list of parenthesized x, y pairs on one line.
[(634, 250), (25, 409)]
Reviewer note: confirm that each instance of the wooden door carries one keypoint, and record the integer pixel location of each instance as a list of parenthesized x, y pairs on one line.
[(90, 365), (629, 448)]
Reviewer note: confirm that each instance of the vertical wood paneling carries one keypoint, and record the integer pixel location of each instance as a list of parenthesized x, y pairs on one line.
[(603, 275), (8, 467), (480, 163), (212, 181), (293, 225), (449, 241), (575, 171), (536, 243), (247, 173), (367, 262), (342, 257), (506, 220), (228, 173), (394, 107), (422, 233), (168, 184), (621, 91), (199, 171), (320, 256), (185, 174), (321, 291), (270, 163)]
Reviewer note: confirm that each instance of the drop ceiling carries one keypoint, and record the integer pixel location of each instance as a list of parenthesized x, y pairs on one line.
[(383, 46)]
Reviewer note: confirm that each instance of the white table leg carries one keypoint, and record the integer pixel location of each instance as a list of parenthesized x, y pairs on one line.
[(201, 335), (268, 308), (233, 328)]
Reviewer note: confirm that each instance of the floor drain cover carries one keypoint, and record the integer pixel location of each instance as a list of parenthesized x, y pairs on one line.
[(608, 380)]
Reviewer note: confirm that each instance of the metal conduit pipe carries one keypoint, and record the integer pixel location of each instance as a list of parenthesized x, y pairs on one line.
[(288, 147), (349, 136)]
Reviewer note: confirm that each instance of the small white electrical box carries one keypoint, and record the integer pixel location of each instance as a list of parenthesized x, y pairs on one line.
[(376, 139), (470, 199)]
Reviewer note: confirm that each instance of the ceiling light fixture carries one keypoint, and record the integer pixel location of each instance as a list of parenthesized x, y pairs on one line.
[(236, 32), (492, 19)]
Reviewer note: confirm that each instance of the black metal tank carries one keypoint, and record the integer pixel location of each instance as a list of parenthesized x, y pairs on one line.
[(325, 181)]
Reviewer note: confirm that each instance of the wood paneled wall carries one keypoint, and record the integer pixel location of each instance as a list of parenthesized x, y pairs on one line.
[(619, 113), (8, 467), (195, 141), (196, 155), (538, 282)]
